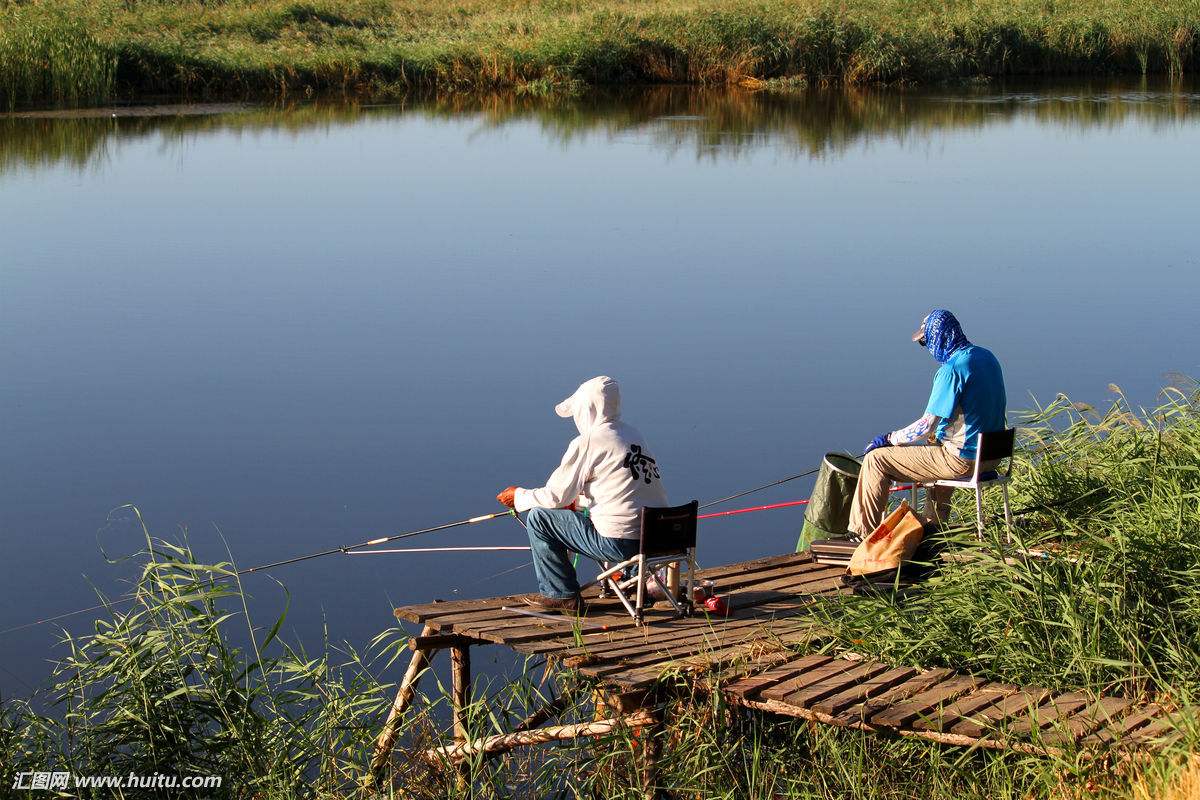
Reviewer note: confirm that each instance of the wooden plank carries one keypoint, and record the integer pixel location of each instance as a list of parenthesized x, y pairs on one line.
[(506, 632), (665, 657), (644, 676), (985, 695), (925, 703), (696, 640), (754, 565), (491, 631), (832, 668), (921, 682), (670, 651), (1017, 704), (522, 642), (1160, 727), (428, 611), (735, 576), (835, 684), (1119, 730), (1102, 712), (750, 687), (864, 690), (437, 641), (1057, 707), (802, 572), (687, 630)]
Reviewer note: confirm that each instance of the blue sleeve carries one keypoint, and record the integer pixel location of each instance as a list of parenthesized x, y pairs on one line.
[(947, 386)]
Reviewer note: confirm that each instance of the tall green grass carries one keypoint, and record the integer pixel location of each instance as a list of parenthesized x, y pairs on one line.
[(1116, 606), (376, 48), (49, 56), (181, 681)]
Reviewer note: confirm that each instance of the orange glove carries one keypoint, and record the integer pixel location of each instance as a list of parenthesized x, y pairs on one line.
[(508, 497)]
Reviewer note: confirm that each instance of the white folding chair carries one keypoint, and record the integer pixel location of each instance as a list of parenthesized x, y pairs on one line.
[(989, 447), (668, 536)]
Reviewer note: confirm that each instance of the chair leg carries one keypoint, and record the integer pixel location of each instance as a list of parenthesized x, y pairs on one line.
[(689, 602), (641, 590), (979, 511), (1008, 520)]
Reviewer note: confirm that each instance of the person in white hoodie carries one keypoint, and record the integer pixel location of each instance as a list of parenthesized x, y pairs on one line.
[(592, 502)]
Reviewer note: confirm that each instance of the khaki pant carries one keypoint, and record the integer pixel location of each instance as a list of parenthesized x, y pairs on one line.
[(916, 463)]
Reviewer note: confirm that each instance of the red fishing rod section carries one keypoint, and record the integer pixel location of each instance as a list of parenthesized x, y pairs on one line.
[(768, 507)]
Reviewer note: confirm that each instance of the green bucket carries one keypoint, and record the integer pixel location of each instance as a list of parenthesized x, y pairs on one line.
[(828, 513)]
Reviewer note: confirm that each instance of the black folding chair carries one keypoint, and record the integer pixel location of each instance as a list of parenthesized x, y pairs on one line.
[(668, 536)]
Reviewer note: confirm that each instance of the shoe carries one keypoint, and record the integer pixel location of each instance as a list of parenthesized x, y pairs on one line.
[(572, 604)]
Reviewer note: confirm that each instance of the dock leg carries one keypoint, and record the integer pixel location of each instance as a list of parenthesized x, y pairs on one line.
[(460, 697), (651, 735), (404, 697)]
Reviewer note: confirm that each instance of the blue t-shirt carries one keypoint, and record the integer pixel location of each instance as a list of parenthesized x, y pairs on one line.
[(968, 395)]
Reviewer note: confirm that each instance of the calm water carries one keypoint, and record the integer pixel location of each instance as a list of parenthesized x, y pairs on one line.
[(298, 329)]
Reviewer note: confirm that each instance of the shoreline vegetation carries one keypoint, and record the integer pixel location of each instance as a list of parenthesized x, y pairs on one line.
[(74, 53), (182, 682), (712, 122)]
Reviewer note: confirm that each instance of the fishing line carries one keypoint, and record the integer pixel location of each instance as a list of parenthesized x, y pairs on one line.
[(779, 482), (380, 540)]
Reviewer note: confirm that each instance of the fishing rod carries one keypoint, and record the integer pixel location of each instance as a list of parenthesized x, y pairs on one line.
[(491, 549), (788, 504), (357, 549), (261, 567), (381, 540), (779, 482)]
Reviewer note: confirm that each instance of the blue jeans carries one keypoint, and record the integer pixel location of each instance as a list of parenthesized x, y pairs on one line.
[(555, 532)]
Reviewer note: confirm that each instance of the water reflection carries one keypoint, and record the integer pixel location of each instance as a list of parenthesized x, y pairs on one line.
[(705, 123)]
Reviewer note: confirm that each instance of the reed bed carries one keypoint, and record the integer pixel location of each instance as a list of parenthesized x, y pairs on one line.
[(377, 48), (181, 681), (1116, 604)]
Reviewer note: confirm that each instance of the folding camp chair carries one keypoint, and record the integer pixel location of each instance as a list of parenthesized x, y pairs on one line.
[(994, 447), (668, 536)]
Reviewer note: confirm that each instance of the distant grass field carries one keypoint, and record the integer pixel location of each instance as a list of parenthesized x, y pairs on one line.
[(69, 52)]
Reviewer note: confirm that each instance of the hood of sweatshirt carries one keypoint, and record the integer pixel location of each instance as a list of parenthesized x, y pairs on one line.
[(595, 402)]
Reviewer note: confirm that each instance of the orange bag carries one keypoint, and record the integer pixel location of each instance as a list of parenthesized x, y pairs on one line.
[(891, 544)]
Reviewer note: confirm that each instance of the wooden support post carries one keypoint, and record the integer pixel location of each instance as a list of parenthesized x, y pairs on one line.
[(651, 736), (460, 699), (404, 697), (507, 741)]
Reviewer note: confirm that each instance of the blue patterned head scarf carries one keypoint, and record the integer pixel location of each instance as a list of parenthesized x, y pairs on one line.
[(943, 335)]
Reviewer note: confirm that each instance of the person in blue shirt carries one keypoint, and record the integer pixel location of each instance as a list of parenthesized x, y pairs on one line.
[(967, 399)]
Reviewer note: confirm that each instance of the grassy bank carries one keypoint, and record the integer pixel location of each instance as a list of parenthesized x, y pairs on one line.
[(69, 52), (181, 682)]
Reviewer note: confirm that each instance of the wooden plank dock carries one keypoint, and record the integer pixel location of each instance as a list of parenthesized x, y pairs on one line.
[(757, 656), (767, 599)]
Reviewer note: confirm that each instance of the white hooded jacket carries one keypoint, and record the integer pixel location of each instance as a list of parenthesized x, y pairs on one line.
[(607, 468)]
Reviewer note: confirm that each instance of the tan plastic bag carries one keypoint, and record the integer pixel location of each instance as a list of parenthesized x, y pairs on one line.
[(891, 544)]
